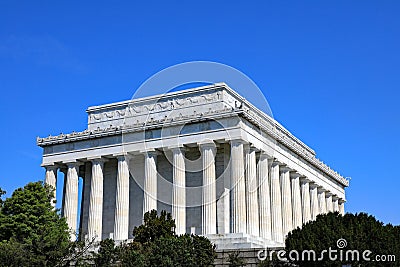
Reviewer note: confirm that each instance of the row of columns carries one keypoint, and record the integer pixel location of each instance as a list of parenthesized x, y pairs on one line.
[(150, 192), (267, 199), (70, 205), (270, 199)]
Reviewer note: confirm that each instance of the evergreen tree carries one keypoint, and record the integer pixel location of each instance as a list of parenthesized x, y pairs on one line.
[(360, 231), (31, 228), (154, 227)]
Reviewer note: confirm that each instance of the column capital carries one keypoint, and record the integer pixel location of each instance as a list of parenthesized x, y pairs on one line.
[(73, 163), (50, 167), (341, 201), (150, 152), (304, 180), (313, 185), (295, 175), (122, 156), (207, 143), (275, 163), (264, 155), (237, 141), (284, 168), (321, 189), (249, 148), (97, 160), (328, 194), (335, 197)]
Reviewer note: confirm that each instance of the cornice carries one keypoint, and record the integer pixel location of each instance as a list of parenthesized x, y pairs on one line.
[(245, 109)]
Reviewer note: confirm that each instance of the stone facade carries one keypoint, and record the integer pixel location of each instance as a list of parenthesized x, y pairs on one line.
[(222, 167)]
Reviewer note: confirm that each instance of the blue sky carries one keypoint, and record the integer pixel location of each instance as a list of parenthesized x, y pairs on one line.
[(330, 71)]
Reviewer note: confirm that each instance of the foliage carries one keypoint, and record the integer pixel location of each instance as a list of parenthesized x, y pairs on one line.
[(155, 244), (132, 254), (183, 250), (12, 253), (361, 231), (30, 226), (106, 254), (32, 233), (154, 227)]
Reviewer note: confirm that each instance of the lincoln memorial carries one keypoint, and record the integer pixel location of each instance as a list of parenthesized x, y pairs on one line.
[(222, 167)]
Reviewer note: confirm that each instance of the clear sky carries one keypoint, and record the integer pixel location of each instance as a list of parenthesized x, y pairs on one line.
[(330, 71)]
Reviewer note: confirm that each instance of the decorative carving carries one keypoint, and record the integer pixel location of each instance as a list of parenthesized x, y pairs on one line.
[(120, 113), (232, 107)]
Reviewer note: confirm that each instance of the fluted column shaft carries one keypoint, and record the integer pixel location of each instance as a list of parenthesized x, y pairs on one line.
[(321, 201), (287, 221), (121, 225), (329, 204), (95, 219), (264, 196), (150, 182), (314, 201), (335, 203), (238, 187), (209, 206), (71, 198), (341, 206), (179, 191), (51, 180), (296, 200), (251, 192), (305, 200), (276, 204)]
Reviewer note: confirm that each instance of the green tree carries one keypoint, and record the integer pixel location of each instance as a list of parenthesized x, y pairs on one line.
[(132, 254), (29, 224), (107, 253), (360, 231), (183, 250), (12, 253), (156, 244), (154, 227)]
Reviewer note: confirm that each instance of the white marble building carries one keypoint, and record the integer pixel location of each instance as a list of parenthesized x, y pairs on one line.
[(222, 167)]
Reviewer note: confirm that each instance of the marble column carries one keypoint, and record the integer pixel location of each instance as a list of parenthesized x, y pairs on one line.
[(121, 218), (335, 203), (314, 201), (253, 226), (321, 200), (150, 181), (276, 204), (71, 197), (341, 206), (51, 180), (296, 200), (209, 205), (238, 187), (287, 219), (329, 204), (95, 219), (179, 190), (305, 199), (264, 196)]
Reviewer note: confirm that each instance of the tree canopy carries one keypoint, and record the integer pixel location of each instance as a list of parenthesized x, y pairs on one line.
[(350, 232), (156, 244), (154, 227), (31, 231)]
